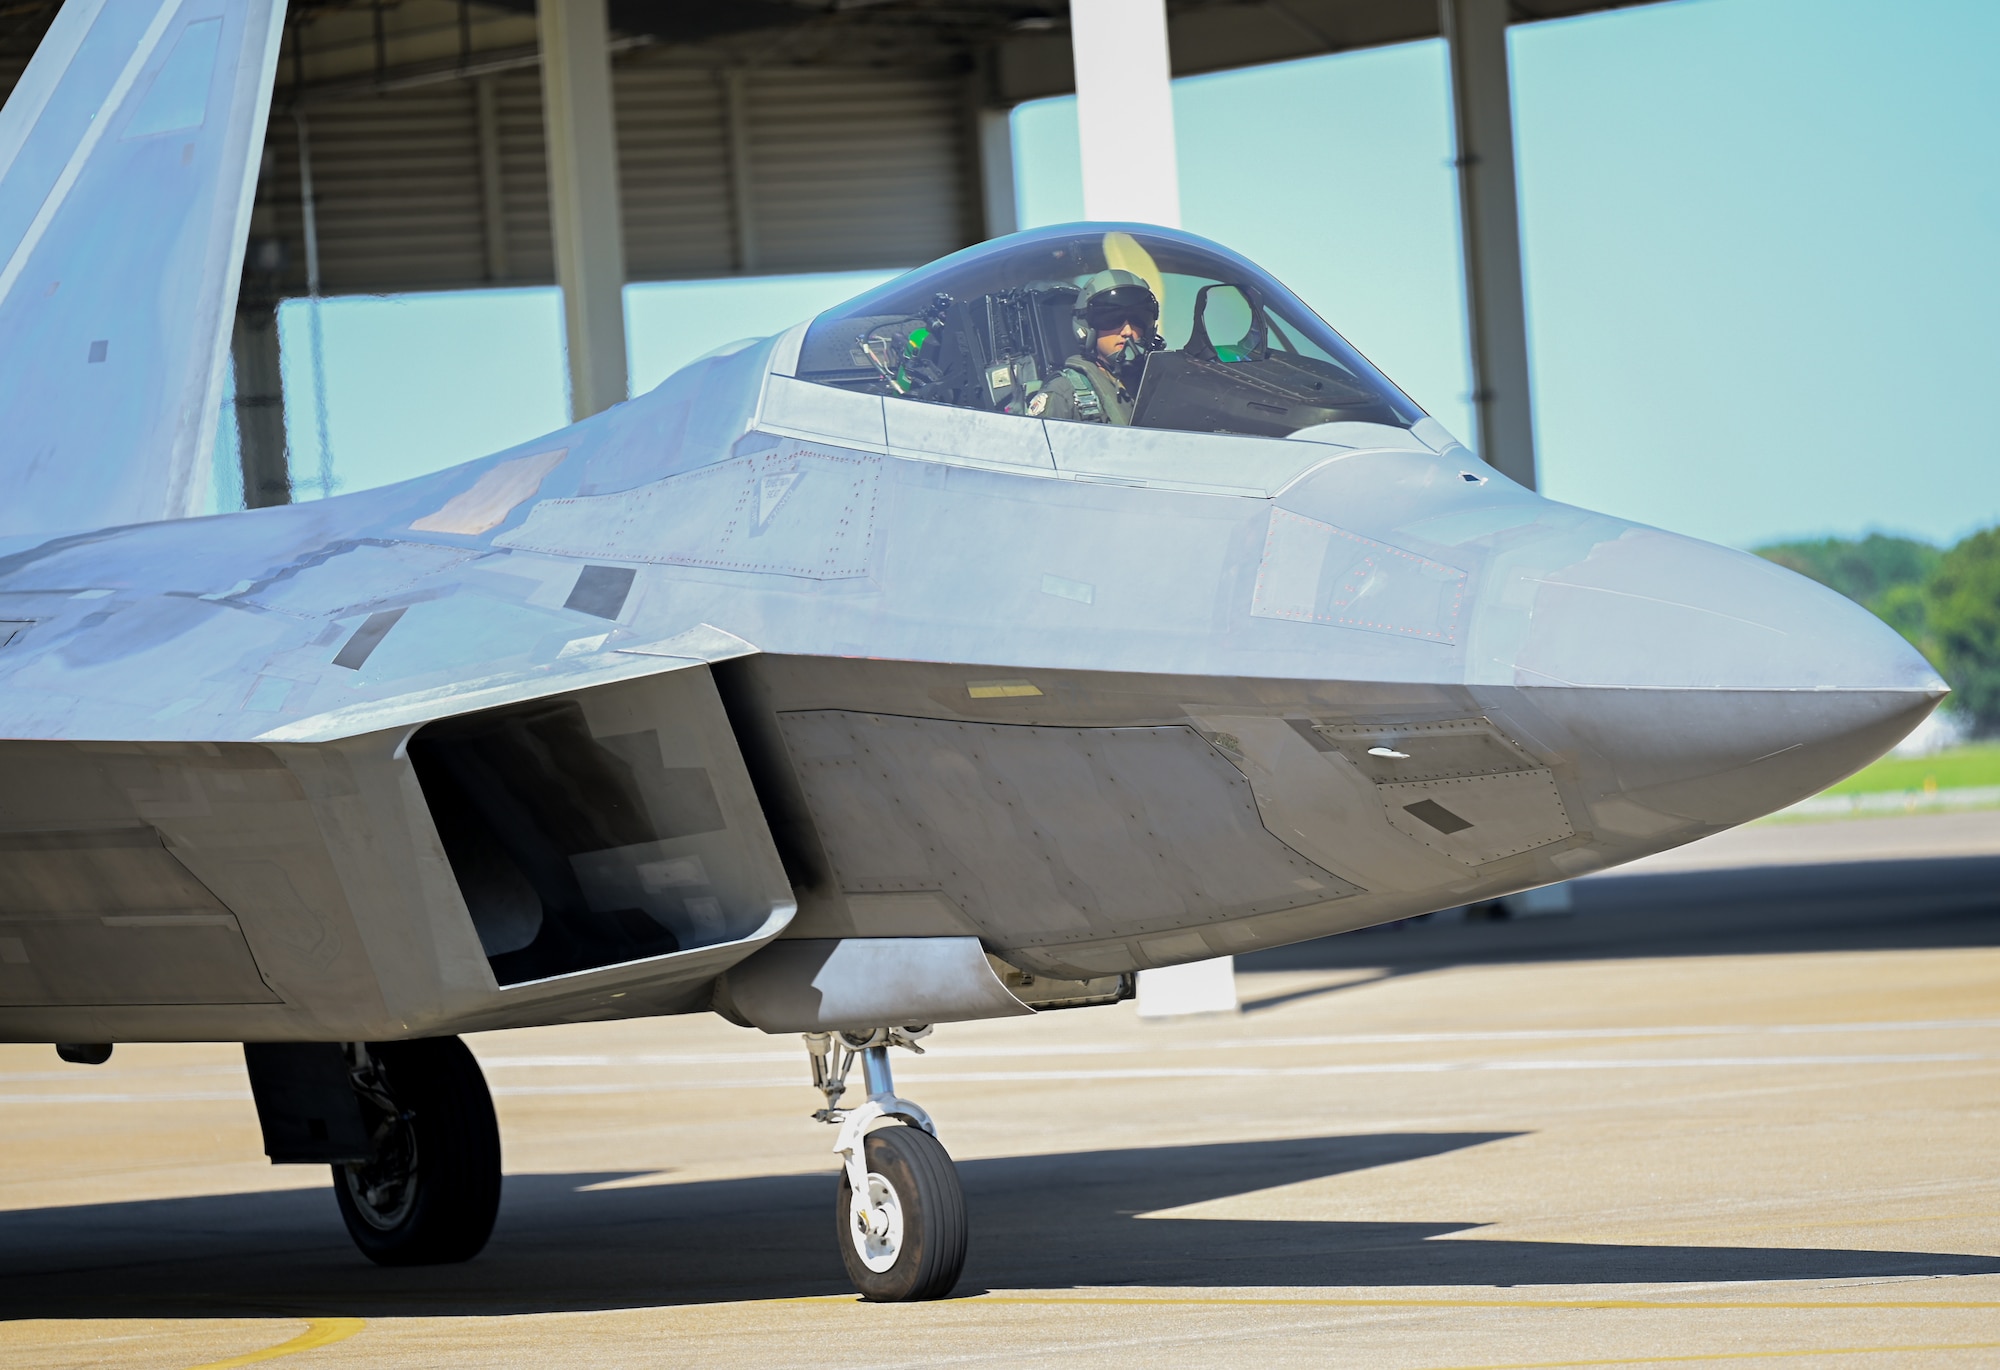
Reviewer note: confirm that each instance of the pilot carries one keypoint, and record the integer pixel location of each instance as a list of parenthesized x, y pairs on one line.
[(1118, 319)]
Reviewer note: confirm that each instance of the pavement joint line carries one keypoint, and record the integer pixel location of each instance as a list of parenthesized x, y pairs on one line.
[(1713, 1356), (949, 1051), (918, 1075), (1707, 1305), (921, 1076), (1149, 1073), (1629, 1305), (319, 1332)]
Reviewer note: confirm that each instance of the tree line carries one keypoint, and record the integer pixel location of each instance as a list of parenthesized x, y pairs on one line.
[(1945, 601)]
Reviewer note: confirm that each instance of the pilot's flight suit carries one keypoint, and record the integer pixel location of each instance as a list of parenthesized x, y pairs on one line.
[(1083, 391)]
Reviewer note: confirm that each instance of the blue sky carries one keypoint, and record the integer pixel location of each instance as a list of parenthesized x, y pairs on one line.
[(1760, 242)]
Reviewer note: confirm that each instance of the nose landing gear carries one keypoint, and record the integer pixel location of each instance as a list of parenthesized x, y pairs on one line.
[(899, 1213)]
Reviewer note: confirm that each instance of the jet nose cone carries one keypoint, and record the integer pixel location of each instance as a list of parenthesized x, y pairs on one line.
[(1651, 609), (1714, 685)]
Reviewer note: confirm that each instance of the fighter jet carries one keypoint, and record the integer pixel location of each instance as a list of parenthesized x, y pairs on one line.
[(1077, 604)]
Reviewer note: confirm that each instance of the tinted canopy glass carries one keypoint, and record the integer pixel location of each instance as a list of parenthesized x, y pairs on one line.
[(992, 327)]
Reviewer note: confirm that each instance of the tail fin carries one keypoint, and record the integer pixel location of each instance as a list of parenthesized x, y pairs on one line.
[(128, 158)]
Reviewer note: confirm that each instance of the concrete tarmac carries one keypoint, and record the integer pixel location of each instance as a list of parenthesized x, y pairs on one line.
[(1759, 1139)]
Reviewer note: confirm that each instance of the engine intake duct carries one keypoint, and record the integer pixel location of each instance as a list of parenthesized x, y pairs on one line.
[(574, 849)]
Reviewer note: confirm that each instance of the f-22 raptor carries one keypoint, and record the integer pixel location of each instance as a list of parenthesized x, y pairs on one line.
[(834, 686)]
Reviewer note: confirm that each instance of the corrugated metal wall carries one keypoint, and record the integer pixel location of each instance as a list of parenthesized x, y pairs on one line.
[(673, 160), (848, 169), (859, 169), (396, 179)]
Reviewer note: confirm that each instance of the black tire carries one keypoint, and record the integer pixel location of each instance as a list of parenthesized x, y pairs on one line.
[(930, 1256), (430, 1193)]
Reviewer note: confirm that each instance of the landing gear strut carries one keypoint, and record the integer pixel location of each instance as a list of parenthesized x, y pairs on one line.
[(430, 1188), (899, 1214)]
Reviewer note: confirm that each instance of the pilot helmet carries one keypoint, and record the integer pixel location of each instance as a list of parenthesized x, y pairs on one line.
[(1115, 297)]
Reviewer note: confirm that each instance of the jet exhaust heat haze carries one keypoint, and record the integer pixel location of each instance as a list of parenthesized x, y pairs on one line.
[(912, 666)]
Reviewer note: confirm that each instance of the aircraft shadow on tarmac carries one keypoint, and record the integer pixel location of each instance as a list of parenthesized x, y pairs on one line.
[(1930, 902), (1048, 1221)]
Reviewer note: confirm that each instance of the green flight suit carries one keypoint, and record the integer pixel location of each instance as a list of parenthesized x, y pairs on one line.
[(1084, 392)]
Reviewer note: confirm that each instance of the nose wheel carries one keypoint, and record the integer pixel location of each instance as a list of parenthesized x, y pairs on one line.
[(904, 1239), (899, 1212), (430, 1188)]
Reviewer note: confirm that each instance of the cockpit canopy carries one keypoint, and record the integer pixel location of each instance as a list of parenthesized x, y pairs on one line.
[(987, 328)]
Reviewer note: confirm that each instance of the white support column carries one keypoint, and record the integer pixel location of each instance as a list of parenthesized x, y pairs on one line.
[(1496, 311), (996, 172), (742, 202), (1125, 110), (492, 185), (260, 401), (315, 328), (583, 199), (1125, 123)]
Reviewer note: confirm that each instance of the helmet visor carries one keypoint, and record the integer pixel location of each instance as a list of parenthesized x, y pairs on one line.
[(1110, 310)]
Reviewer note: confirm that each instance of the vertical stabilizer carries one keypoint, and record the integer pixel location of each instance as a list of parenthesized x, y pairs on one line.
[(128, 157)]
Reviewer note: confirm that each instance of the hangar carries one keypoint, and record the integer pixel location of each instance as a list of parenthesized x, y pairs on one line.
[(452, 144)]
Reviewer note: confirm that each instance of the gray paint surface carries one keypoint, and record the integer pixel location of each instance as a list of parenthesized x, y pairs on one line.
[(858, 983), (1043, 837)]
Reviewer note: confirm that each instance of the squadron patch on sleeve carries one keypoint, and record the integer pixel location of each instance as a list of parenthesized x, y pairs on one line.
[(1037, 403)]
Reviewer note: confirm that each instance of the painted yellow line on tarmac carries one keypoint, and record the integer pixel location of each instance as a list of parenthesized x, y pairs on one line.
[(1713, 1356), (319, 1332)]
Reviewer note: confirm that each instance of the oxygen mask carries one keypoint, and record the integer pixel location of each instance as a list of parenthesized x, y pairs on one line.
[(1129, 360)]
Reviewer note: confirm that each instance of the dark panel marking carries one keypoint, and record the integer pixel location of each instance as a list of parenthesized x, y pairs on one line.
[(85, 839), (367, 638), (110, 916), (1304, 728), (1437, 815), (600, 591)]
